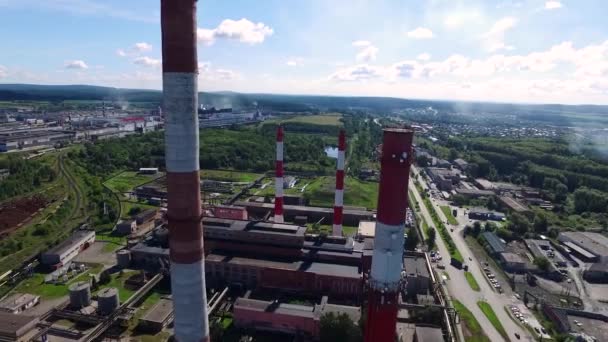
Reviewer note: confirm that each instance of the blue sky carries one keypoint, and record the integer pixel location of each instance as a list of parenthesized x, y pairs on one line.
[(514, 51)]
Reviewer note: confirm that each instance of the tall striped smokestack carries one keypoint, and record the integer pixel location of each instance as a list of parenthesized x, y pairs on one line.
[(339, 195), (278, 180), (388, 241), (180, 98)]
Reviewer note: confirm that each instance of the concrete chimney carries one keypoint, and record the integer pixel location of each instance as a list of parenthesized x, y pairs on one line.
[(339, 195), (387, 259), (180, 98), (278, 180)]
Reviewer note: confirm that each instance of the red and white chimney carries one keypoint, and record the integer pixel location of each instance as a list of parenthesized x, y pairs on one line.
[(180, 98), (339, 195), (387, 259), (278, 180)]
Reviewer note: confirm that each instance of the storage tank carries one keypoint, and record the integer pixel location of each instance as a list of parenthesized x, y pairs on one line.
[(80, 294), (123, 258), (107, 300)]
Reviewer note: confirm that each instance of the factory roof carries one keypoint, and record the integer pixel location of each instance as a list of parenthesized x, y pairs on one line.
[(254, 226), (485, 184), (513, 204), (16, 300), (15, 325), (578, 249), (366, 228), (512, 257), (159, 312), (312, 267), (414, 265), (593, 242), (474, 192), (303, 208), (274, 307), (428, 334), (496, 245), (68, 243)]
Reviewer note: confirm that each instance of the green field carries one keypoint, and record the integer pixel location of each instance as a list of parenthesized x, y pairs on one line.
[(491, 315), (329, 119), (470, 326), (356, 192), (118, 281), (36, 285), (327, 229), (448, 214), (127, 206), (471, 280), (229, 176), (128, 180)]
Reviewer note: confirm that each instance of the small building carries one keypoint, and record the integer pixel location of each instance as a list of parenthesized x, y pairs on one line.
[(16, 327), (366, 229), (484, 184), (445, 179), (18, 302), (513, 205), (158, 317), (588, 246), (597, 272), (230, 212), (4, 173), (275, 316), (146, 216), (148, 170), (512, 262), (493, 244), (443, 164), (474, 193), (428, 334), (68, 249), (417, 275), (126, 227), (289, 182), (461, 164)]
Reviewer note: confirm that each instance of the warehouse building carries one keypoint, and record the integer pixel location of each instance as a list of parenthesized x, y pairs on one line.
[(417, 277), (16, 327), (18, 302), (445, 179), (21, 139), (287, 318), (512, 262), (513, 205), (493, 244), (158, 317), (590, 247), (597, 272), (67, 250), (351, 217)]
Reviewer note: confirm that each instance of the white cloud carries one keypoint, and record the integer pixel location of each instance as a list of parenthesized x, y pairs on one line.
[(3, 71), (121, 52), (494, 39), (293, 62), (420, 33), (209, 73), (76, 64), (142, 47), (359, 72), (243, 30), (147, 61), (424, 56), (367, 51), (362, 43), (458, 19), (549, 5)]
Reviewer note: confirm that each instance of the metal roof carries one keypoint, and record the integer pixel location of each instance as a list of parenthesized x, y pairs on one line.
[(494, 242)]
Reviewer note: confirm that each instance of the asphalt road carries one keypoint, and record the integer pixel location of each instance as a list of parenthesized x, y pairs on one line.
[(458, 287)]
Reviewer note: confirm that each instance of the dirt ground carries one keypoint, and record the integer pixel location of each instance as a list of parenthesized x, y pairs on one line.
[(95, 254)]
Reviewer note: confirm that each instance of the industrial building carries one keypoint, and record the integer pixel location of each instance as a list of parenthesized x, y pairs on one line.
[(461, 164), (16, 327), (20, 139), (513, 205), (493, 244), (417, 277), (287, 318), (158, 317), (270, 255), (351, 217), (543, 248), (587, 246), (512, 262), (229, 212), (484, 184), (18, 302), (484, 215), (445, 179), (126, 227), (68, 249), (597, 272), (474, 193)]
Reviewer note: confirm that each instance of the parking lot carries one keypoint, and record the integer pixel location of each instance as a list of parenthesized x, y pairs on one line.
[(521, 313)]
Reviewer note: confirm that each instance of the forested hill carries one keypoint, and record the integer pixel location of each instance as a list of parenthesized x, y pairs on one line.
[(551, 113)]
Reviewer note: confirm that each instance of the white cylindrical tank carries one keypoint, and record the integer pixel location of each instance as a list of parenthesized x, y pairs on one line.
[(107, 300), (123, 258), (80, 294)]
